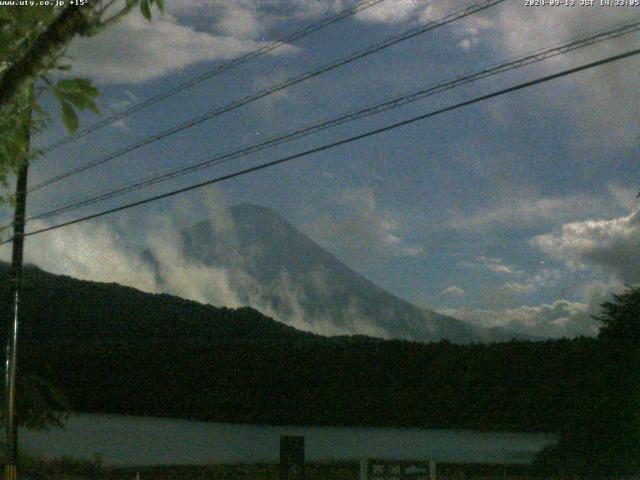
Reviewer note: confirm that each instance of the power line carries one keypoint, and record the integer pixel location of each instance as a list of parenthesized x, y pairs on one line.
[(534, 57), (273, 89), (339, 143), (214, 72)]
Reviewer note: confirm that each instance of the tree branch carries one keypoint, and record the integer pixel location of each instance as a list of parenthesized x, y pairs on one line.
[(71, 22), (118, 16)]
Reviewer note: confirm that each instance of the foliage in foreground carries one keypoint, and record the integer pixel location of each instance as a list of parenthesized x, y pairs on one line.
[(602, 437), (113, 349), (33, 42)]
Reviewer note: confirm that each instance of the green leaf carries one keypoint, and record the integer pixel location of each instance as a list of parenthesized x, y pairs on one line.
[(79, 91), (69, 117), (145, 9), (78, 85), (160, 5), (5, 156), (77, 100)]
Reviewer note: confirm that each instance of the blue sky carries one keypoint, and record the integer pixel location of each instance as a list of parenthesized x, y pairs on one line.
[(519, 211)]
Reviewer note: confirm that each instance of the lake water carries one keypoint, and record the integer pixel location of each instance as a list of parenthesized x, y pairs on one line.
[(138, 441)]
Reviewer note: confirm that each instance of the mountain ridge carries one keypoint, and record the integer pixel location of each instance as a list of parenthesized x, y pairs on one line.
[(277, 269), (115, 349)]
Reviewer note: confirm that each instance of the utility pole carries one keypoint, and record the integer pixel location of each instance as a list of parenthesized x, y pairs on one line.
[(15, 280)]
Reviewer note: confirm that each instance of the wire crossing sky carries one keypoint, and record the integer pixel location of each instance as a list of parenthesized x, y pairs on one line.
[(518, 212), (537, 56), (359, 7), (341, 142), (275, 88)]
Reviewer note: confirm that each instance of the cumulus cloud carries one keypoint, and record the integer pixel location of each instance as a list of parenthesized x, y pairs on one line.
[(596, 292), (589, 247), (561, 318), (521, 283), (495, 265), (181, 276), (524, 209), (104, 253), (543, 279), (359, 227), (136, 50), (239, 18), (613, 245), (625, 196), (453, 291), (88, 252), (410, 12), (397, 11), (607, 96)]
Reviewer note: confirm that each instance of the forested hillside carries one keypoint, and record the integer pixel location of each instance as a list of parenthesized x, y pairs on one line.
[(114, 349)]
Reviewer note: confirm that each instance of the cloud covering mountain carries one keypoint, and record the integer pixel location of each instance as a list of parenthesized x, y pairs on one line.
[(267, 263)]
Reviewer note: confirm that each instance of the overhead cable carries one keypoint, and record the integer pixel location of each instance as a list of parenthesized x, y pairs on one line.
[(528, 59), (348, 12), (345, 141), (388, 42)]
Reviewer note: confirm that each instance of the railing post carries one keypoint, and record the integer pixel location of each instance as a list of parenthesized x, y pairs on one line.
[(432, 470), (364, 469)]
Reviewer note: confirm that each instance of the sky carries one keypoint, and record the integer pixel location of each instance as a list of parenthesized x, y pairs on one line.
[(518, 212)]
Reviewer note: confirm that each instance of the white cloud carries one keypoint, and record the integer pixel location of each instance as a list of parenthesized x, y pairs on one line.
[(495, 265), (239, 19), (88, 252), (467, 43), (359, 227), (104, 253), (251, 18), (136, 50), (525, 209), (522, 283), (183, 277), (596, 292), (396, 11), (543, 279), (610, 244), (605, 97), (453, 291), (561, 318), (268, 80), (625, 196)]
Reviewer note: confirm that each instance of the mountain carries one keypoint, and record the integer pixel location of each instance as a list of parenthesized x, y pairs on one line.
[(115, 349), (58, 308), (270, 265)]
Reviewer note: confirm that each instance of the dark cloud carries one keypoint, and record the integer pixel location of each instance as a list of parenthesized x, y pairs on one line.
[(613, 245)]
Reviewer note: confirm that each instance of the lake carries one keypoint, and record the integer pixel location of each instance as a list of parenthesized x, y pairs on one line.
[(138, 441)]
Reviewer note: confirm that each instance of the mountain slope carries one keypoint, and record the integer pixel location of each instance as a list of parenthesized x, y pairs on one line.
[(115, 349), (274, 267), (60, 308)]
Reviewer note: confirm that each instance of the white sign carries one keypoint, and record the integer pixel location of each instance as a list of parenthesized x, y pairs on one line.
[(397, 470)]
